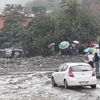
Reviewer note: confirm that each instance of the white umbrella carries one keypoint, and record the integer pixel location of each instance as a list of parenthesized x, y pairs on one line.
[(77, 42), (96, 45)]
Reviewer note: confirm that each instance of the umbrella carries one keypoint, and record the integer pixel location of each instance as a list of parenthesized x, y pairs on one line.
[(87, 49), (64, 45), (96, 45), (93, 50), (99, 55), (77, 42)]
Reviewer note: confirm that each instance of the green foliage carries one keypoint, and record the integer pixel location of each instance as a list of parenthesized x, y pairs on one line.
[(76, 22), (13, 27), (41, 32), (98, 39), (38, 9), (73, 22)]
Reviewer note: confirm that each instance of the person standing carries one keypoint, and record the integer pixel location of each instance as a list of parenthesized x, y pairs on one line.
[(51, 48), (97, 62), (90, 59)]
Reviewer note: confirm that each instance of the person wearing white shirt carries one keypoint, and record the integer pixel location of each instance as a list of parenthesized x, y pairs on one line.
[(90, 59)]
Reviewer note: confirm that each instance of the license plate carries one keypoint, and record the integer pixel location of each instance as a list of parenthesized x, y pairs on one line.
[(83, 83)]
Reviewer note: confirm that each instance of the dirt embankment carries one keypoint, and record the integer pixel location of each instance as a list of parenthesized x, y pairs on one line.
[(35, 63)]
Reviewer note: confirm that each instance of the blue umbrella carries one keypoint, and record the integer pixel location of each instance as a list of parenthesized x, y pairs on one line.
[(99, 55), (64, 45), (87, 49)]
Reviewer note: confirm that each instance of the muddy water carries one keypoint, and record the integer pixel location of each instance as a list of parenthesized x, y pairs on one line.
[(30, 79), (21, 86), (36, 86)]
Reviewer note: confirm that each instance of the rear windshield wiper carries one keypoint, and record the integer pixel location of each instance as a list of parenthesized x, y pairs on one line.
[(85, 70)]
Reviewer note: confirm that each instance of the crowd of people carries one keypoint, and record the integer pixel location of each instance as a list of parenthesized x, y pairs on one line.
[(92, 56), (93, 60), (65, 49)]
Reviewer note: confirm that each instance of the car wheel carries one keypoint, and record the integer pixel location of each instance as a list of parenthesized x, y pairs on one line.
[(93, 86), (53, 82), (65, 84)]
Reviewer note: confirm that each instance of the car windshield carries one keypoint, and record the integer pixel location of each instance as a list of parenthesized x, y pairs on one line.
[(79, 68)]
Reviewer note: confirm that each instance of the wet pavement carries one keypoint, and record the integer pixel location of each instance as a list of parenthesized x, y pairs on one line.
[(30, 79)]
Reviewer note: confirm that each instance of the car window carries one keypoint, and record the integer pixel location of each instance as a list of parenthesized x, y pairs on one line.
[(65, 67), (79, 68)]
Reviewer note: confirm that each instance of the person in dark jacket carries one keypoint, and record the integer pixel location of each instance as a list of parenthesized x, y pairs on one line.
[(97, 62)]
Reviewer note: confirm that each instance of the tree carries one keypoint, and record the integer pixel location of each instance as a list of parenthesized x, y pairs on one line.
[(13, 24), (98, 39), (75, 21), (41, 32)]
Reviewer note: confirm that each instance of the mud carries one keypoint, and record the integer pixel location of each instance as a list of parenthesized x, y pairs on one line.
[(30, 79)]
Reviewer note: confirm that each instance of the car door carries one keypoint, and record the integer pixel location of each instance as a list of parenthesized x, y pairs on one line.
[(57, 75), (63, 73)]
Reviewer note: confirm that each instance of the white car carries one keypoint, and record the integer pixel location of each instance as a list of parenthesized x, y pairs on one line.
[(74, 74)]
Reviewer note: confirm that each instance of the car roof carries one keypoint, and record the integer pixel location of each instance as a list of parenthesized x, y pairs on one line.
[(74, 63)]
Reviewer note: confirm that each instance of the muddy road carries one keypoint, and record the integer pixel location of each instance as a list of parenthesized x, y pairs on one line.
[(30, 79)]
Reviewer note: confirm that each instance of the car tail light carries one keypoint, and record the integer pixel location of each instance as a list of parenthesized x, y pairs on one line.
[(93, 73), (70, 73)]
